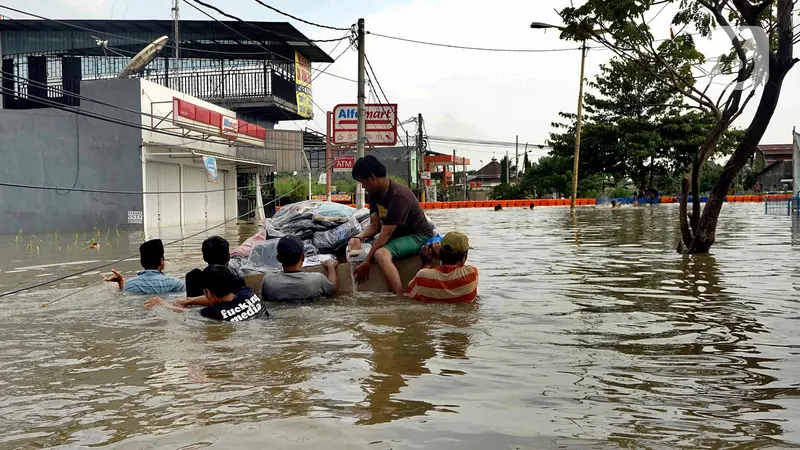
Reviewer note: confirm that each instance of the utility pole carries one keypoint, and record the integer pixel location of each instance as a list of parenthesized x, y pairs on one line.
[(455, 191), (464, 164), (508, 169), (420, 158), (176, 15), (516, 165), (328, 162), (578, 127), (362, 116)]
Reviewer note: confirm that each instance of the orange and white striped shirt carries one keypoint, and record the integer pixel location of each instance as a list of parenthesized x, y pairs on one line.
[(445, 284)]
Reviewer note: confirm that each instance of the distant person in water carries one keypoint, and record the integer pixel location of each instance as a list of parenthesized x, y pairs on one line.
[(227, 302), (498, 208), (532, 205), (613, 203), (151, 280), (453, 281)]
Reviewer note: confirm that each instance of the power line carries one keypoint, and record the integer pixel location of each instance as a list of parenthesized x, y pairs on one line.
[(320, 72), (302, 20), (480, 141), (139, 126), (108, 191), (132, 39), (103, 266), (270, 52), (482, 49), (231, 16)]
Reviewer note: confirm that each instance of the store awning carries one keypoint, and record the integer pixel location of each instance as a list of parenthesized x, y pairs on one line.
[(188, 152)]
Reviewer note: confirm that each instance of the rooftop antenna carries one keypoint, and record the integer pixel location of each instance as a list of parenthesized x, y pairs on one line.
[(176, 16), (143, 58)]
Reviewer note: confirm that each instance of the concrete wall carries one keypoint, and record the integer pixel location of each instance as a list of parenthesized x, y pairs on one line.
[(49, 147), (771, 179)]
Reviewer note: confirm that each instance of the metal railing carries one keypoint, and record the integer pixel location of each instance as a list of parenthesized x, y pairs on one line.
[(230, 83)]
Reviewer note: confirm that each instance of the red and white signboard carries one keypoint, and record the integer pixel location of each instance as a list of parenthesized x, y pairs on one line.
[(343, 163), (381, 124), (202, 120)]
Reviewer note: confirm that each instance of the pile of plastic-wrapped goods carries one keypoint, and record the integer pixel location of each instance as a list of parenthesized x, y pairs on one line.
[(325, 227)]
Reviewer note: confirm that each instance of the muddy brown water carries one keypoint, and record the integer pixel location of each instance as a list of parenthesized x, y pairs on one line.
[(591, 333)]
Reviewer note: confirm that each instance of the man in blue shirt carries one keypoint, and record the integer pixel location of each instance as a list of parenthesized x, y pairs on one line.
[(151, 280)]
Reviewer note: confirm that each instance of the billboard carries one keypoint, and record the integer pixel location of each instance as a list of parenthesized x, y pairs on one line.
[(302, 76), (344, 163), (381, 124)]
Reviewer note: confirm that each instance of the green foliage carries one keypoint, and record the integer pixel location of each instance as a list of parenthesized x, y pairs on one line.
[(345, 184), (296, 187), (508, 191), (636, 130)]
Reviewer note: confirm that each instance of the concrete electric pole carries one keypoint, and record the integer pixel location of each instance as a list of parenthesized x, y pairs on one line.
[(362, 116)]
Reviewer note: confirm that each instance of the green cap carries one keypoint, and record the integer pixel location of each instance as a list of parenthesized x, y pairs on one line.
[(454, 242)]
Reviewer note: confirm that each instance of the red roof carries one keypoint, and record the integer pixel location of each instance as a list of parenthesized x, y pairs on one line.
[(776, 149)]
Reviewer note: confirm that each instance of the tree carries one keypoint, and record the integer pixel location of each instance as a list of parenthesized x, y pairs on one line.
[(504, 170), (622, 27), (525, 162)]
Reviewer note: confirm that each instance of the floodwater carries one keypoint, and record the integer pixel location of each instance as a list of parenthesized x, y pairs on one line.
[(587, 334)]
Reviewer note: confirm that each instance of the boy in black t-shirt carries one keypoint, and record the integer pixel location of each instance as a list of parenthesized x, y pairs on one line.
[(221, 283), (216, 250)]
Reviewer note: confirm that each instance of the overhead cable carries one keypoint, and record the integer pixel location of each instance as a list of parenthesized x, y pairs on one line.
[(103, 266), (108, 191), (482, 49), (132, 39), (307, 22), (270, 52), (139, 126)]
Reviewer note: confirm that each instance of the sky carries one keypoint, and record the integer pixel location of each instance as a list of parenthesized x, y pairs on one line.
[(460, 93)]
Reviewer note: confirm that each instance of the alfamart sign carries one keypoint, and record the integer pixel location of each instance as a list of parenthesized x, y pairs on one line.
[(381, 124)]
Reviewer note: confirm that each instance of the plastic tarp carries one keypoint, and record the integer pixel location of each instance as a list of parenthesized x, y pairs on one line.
[(324, 227)]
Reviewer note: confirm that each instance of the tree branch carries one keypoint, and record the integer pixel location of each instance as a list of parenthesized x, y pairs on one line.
[(642, 57), (751, 13)]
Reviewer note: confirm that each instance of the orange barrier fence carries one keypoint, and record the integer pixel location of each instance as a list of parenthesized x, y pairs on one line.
[(579, 202), (507, 203)]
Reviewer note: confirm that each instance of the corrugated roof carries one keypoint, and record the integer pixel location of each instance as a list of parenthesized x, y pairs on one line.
[(266, 33)]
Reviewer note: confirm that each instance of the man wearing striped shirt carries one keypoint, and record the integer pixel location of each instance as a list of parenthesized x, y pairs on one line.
[(453, 281)]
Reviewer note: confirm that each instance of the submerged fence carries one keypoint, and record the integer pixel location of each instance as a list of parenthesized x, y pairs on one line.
[(782, 205)]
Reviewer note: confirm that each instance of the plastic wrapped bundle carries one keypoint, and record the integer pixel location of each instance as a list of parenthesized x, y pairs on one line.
[(263, 257), (312, 210), (272, 232), (329, 241), (294, 212), (244, 249)]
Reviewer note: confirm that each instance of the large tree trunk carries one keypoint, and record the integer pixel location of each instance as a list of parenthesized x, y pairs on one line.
[(686, 233), (705, 235), (696, 167)]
